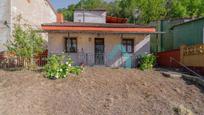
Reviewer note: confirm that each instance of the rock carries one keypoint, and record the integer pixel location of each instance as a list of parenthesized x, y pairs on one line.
[(194, 79), (181, 110), (171, 74), (177, 90)]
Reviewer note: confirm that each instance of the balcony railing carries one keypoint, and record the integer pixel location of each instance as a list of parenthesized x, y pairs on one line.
[(122, 59)]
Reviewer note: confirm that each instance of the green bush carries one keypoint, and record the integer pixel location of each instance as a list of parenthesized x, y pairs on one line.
[(56, 68), (147, 62)]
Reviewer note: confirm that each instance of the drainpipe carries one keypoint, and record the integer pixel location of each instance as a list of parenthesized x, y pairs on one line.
[(161, 38), (203, 34)]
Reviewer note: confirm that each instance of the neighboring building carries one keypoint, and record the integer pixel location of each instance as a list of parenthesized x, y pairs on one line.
[(33, 12), (90, 16), (188, 33), (94, 43), (164, 42)]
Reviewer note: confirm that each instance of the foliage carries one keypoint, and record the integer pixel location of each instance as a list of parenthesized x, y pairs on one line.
[(26, 42), (92, 4), (68, 13), (86, 4), (186, 8), (147, 62), (56, 68), (149, 10)]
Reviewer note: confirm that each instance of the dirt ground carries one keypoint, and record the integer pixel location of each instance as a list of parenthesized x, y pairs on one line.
[(97, 91)]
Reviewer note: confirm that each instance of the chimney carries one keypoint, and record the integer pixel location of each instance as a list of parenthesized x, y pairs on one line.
[(60, 18)]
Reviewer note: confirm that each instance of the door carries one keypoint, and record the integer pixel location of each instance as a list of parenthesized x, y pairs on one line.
[(99, 51)]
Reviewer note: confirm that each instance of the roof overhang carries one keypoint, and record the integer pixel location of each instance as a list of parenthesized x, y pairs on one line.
[(99, 29)]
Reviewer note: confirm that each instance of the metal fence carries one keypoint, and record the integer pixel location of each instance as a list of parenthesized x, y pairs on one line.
[(14, 62), (121, 60)]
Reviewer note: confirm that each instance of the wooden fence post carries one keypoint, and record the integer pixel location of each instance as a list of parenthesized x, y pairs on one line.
[(182, 53)]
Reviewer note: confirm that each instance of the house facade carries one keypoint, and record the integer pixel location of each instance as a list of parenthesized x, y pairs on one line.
[(33, 12), (112, 45)]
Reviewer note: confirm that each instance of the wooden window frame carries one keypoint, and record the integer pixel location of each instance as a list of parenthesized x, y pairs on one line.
[(126, 45), (71, 39)]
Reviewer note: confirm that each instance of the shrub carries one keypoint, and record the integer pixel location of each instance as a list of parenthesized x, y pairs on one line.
[(147, 62), (27, 42), (56, 68)]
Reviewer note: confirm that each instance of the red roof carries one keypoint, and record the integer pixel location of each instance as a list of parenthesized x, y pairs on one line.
[(110, 19), (90, 27)]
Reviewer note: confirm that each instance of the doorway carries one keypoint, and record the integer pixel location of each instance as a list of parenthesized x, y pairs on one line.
[(99, 51)]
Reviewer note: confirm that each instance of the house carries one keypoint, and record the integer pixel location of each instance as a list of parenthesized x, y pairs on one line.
[(33, 12), (188, 33), (99, 43)]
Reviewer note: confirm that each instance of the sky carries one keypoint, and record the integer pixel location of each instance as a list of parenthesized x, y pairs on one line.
[(64, 3)]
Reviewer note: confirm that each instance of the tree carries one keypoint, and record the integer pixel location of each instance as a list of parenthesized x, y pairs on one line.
[(186, 8), (68, 13), (91, 4), (26, 43), (83, 4), (127, 8), (149, 10)]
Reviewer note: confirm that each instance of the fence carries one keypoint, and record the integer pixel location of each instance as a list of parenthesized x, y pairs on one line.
[(163, 58), (193, 55), (90, 59), (190, 56), (12, 61)]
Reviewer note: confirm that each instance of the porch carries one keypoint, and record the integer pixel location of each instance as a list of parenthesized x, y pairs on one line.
[(112, 50), (124, 60)]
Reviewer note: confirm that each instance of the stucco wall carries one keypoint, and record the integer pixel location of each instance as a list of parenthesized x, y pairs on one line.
[(90, 16), (34, 13), (86, 45), (4, 16)]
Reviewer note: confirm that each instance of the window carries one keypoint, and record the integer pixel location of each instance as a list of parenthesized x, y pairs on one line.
[(71, 45), (128, 44)]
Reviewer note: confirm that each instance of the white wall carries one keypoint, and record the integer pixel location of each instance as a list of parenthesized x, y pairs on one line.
[(4, 16), (35, 12), (90, 16), (85, 41)]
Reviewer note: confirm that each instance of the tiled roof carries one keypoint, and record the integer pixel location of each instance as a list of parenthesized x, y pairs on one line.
[(107, 25), (95, 27)]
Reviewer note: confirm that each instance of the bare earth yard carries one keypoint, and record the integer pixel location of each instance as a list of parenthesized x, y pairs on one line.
[(97, 91)]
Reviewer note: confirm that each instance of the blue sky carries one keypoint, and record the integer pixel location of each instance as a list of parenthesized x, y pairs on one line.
[(63, 3)]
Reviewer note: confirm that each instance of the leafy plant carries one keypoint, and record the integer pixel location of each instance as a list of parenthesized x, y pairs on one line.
[(26, 43), (76, 70), (56, 68), (147, 62)]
